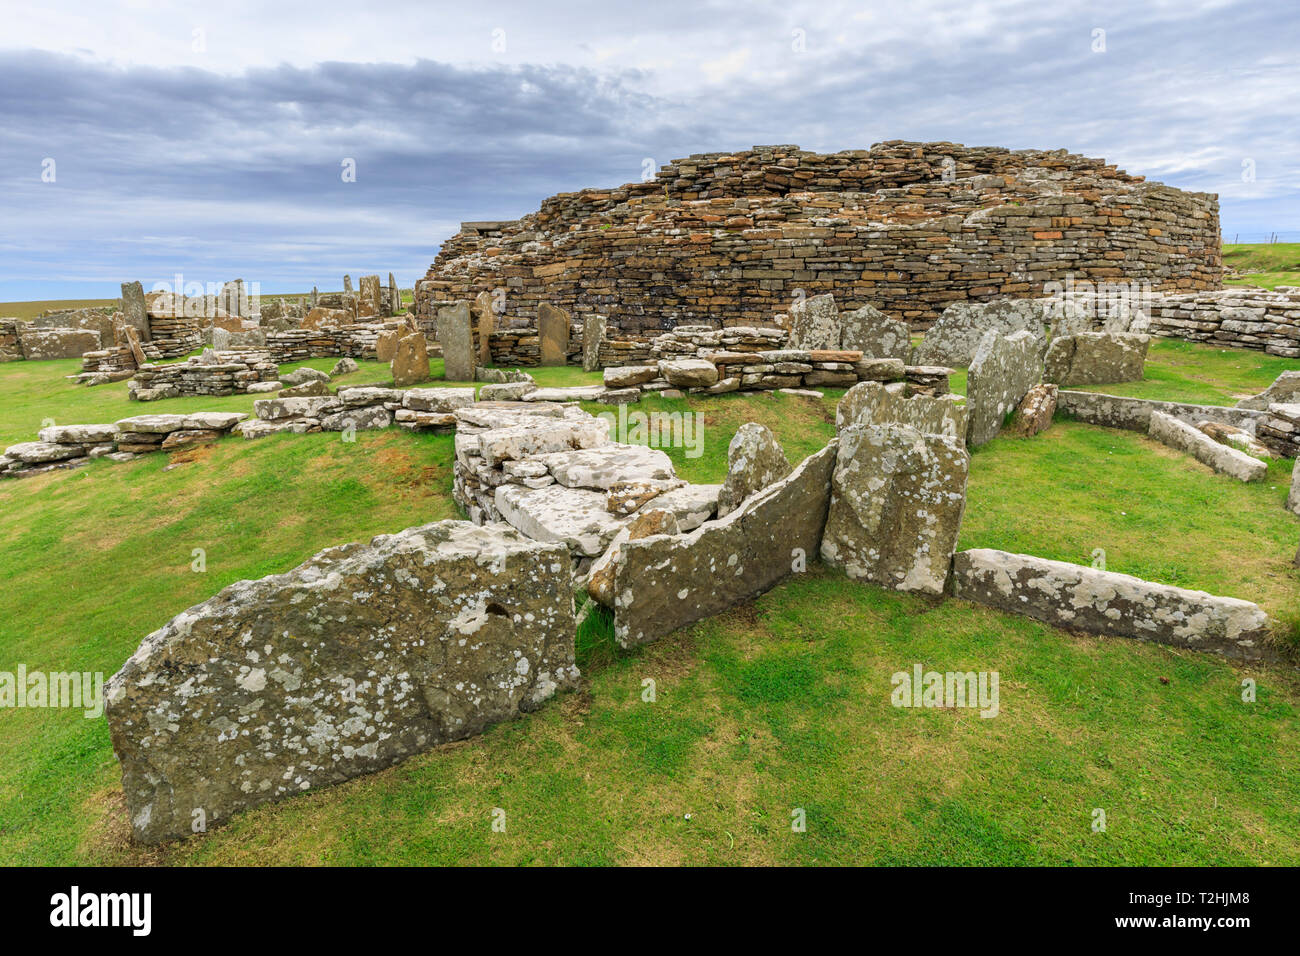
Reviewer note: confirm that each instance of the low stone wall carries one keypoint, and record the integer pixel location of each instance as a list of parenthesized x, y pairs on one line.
[(358, 658), (1079, 598), (1280, 429), (60, 447), (1134, 414), (10, 348), (1240, 318), (351, 341), (212, 373)]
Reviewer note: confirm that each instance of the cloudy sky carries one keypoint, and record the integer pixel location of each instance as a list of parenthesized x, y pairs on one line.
[(210, 139)]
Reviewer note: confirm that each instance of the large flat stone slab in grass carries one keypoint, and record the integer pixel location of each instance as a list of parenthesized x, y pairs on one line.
[(1224, 459), (1081, 598), (357, 658)]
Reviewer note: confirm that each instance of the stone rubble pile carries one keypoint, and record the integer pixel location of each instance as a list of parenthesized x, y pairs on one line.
[(1279, 429), (212, 373)]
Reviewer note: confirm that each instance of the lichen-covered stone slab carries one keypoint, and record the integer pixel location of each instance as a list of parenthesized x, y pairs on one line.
[(540, 437), (1105, 602), (1286, 388), (1222, 458), (871, 403), (896, 505), (689, 373), (552, 334), (814, 323), (875, 334), (754, 461), (574, 516), (1005, 367), (1034, 414), (456, 336), (356, 659), (608, 464), (665, 582), (954, 339), (1096, 358), (691, 505), (1293, 499)]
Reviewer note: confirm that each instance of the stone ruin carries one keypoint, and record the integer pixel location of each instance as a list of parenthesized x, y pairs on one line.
[(909, 228), (368, 653)]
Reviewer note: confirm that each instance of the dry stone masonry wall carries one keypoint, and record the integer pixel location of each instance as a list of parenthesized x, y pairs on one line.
[(735, 239)]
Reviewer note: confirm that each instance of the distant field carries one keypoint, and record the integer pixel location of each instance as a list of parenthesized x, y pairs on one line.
[(1266, 265), (30, 310)]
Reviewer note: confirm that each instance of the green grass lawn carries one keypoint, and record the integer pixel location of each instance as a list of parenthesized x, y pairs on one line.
[(776, 706)]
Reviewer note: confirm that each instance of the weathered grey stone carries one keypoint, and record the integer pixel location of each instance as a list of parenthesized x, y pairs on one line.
[(689, 373), (411, 360), (356, 396), (260, 429), (1224, 459), (955, 337), (456, 336), (506, 391), (606, 464), (78, 434), (1035, 411), (593, 336), (386, 345), (312, 389), (667, 581), (280, 409), (566, 393), (35, 452), (135, 312), (189, 436), (691, 505), (539, 438), (438, 399), (394, 296), (1105, 602), (600, 579), (875, 334), (871, 403), (1285, 389), (896, 505), (1134, 414), (346, 366), (1293, 499), (552, 334), (358, 419), (625, 376), (41, 344), (814, 323), (754, 461), (485, 323), (300, 376), (369, 298), (1005, 367), (356, 659), (879, 369), (631, 495), (1096, 358), (574, 516)]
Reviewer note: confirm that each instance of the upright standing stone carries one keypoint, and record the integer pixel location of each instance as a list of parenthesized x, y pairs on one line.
[(233, 299), (134, 311), (485, 321), (875, 334), (1003, 371), (456, 336), (754, 461), (897, 497), (1293, 499), (315, 297), (394, 296), (593, 336), (386, 345), (368, 297), (347, 285), (411, 361), (815, 324), (553, 334)]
